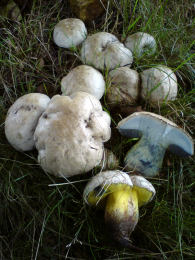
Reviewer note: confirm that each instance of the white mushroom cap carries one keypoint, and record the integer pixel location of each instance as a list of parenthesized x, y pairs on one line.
[(69, 32), (22, 119), (103, 50), (141, 43), (70, 134), (124, 88), (83, 78), (158, 85)]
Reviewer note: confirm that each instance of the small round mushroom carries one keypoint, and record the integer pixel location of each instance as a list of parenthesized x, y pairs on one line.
[(103, 50), (83, 78), (109, 160), (69, 33), (22, 118), (158, 85), (121, 195), (70, 134), (141, 43), (124, 86)]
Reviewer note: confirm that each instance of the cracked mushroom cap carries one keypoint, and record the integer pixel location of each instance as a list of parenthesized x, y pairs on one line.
[(69, 32), (158, 85), (70, 134), (141, 43), (22, 118), (103, 50), (83, 78), (124, 87)]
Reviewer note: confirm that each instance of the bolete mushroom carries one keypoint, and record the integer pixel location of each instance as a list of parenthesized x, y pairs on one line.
[(83, 78), (158, 85), (124, 86), (141, 43), (22, 118), (157, 134), (103, 50), (121, 195), (70, 134), (69, 33)]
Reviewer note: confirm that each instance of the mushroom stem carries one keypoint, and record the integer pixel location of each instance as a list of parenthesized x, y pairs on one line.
[(146, 156), (121, 214)]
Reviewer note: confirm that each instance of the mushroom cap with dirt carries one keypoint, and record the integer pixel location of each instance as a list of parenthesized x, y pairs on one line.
[(83, 78), (121, 195), (158, 85), (103, 50), (141, 43), (70, 134), (22, 118), (124, 86), (69, 33)]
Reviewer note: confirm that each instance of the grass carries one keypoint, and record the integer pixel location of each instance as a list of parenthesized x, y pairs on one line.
[(38, 221)]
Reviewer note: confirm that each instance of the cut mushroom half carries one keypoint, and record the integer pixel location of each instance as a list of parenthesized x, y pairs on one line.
[(69, 33), (157, 134), (103, 50), (121, 195), (22, 119), (83, 78)]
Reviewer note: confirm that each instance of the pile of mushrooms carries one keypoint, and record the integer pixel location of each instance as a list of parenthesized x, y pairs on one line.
[(69, 130)]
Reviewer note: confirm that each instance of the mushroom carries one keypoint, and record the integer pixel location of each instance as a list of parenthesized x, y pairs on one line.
[(70, 134), (103, 50), (83, 78), (121, 195), (124, 86), (156, 134), (141, 43), (158, 85), (22, 118), (69, 33), (109, 160)]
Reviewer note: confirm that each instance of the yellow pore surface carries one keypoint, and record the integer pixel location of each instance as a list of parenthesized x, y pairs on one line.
[(121, 192)]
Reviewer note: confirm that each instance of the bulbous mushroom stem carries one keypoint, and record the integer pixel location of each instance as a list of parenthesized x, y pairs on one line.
[(146, 156), (121, 214)]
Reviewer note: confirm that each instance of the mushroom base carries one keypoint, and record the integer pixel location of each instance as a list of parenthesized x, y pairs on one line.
[(121, 215)]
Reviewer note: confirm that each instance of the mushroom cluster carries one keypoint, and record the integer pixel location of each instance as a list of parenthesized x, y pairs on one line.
[(69, 130)]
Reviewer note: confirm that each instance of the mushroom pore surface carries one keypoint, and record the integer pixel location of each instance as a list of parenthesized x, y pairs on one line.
[(22, 119), (70, 134)]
